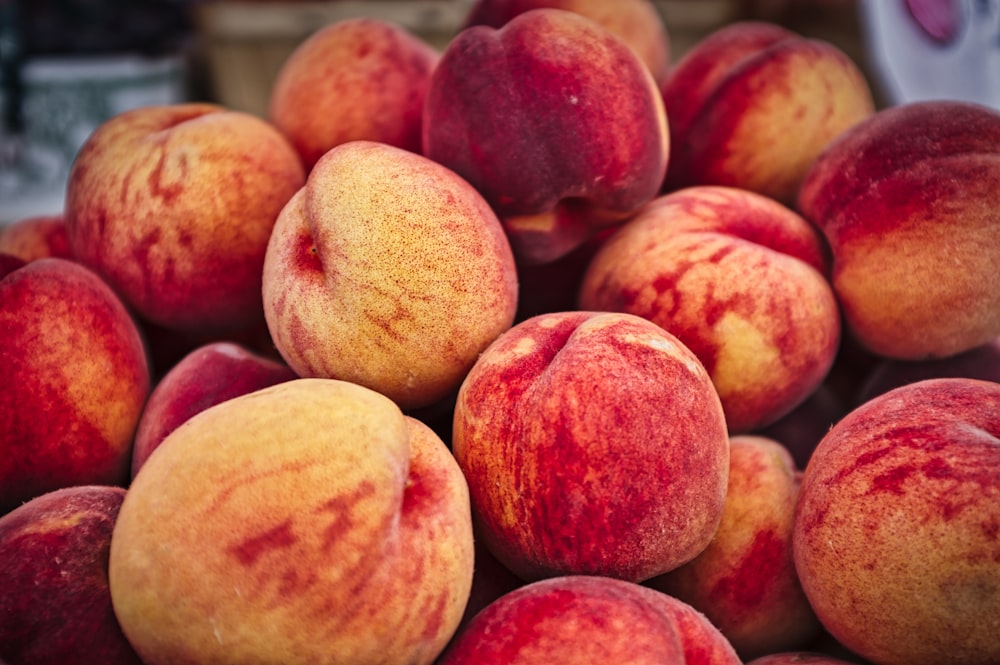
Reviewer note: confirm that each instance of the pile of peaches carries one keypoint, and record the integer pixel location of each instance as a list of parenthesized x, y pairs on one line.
[(537, 348)]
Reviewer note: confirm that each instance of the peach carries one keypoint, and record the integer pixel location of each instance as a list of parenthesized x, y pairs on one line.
[(73, 381), (210, 374), (308, 522), (740, 280), (588, 619), (355, 79), (387, 270), (745, 581), (55, 608), (753, 104), (36, 237), (173, 205), (593, 443), (896, 532), (907, 202), (636, 22), (554, 120)]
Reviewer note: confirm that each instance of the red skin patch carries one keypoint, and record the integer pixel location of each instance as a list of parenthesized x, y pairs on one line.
[(56, 605)]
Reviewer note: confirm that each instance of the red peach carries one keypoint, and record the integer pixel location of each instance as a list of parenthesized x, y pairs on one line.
[(753, 104), (55, 608), (740, 280), (554, 120), (636, 22), (896, 533), (173, 205), (908, 203), (588, 619), (73, 381), (355, 79), (593, 443)]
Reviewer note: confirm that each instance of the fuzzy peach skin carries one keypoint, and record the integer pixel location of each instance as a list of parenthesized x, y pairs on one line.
[(55, 608), (896, 534), (908, 203), (173, 205), (636, 22), (390, 271), (209, 374), (593, 443), (752, 104), (745, 580), (355, 79), (33, 238), (73, 381), (555, 121), (308, 522), (740, 280), (588, 619)]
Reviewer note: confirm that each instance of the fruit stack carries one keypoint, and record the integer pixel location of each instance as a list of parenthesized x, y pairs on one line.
[(536, 348)]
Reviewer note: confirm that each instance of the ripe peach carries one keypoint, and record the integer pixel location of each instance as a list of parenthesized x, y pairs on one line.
[(55, 608), (896, 533), (554, 120), (73, 381), (907, 201), (308, 522), (588, 619), (390, 271), (636, 22), (36, 237), (355, 79), (593, 443), (173, 205), (740, 280), (745, 581), (753, 104), (210, 374)]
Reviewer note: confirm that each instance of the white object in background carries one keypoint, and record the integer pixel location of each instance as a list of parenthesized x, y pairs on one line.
[(935, 49), (64, 100)]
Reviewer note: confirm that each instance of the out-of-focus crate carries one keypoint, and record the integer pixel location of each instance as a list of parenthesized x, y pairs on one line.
[(246, 42)]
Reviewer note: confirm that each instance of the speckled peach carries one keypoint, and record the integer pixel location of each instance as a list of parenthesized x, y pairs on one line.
[(636, 22), (897, 533), (355, 79), (173, 206), (741, 280), (908, 203), (73, 381), (555, 120), (752, 104), (38, 237), (593, 443), (55, 608), (745, 580), (309, 522), (390, 271)]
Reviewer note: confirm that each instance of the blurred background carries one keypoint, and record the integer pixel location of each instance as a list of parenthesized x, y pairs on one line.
[(67, 65)]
